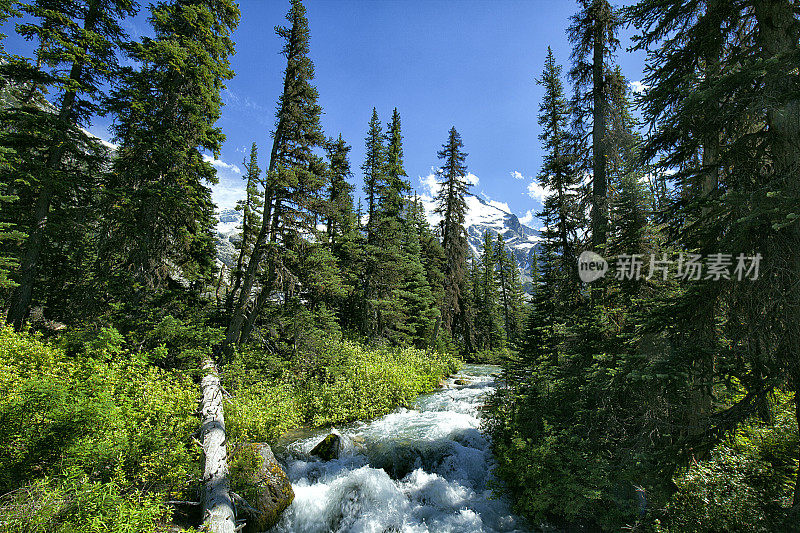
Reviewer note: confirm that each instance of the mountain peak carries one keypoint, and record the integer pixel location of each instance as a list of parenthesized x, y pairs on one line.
[(488, 215)]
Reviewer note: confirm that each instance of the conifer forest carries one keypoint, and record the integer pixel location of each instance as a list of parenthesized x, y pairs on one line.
[(339, 349)]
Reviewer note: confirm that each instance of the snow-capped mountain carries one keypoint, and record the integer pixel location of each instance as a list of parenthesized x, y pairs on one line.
[(229, 222), (482, 216)]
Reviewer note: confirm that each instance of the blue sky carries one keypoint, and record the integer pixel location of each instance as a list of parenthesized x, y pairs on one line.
[(464, 63)]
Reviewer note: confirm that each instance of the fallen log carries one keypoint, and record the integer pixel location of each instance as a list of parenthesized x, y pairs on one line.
[(218, 511)]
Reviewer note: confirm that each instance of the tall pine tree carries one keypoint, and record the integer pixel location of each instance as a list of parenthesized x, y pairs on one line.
[(251, 209), (292, 183), (76, 56), (593, 34), (452, 207)]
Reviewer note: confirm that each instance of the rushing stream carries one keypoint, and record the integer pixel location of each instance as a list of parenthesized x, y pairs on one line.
[(425, 469)]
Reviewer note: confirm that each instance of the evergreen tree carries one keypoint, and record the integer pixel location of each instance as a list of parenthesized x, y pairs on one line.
[(464, 328), (374, 304), (339, 213), (722, 91), (250, 208), (560, 174), (451, 205), (398, 266), (343, 233), (511, 291), (76, 56), (293, 183), (7, 232), (432, 258), (414, 292), (488, 318), (593, 34), (374, 168), (160, 219), (396, 189), (8, 263)]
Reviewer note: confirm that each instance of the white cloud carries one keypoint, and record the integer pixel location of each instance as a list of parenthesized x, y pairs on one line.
[(225, 196), (528, 217), (537, 192), (638, 86), (429, 185), (242, 102), (222, 165), (428, 189)]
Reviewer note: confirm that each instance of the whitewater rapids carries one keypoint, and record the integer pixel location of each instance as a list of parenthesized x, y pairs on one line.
[(419, 470)]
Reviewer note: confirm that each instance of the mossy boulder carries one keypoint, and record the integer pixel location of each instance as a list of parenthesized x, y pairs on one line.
[(263, 483), (329, 448)]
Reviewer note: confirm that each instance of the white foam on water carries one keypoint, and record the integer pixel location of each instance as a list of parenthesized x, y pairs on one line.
[(421, 470)]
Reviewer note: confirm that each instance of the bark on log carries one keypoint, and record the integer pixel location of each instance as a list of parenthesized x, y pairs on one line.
[(218, 513)]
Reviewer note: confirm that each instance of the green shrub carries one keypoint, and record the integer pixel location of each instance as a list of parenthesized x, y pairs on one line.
[(342, 382), (183, 344), (263, 411), (101, 435), (717, 495), (746, 484), (80, 506), (97, 438)]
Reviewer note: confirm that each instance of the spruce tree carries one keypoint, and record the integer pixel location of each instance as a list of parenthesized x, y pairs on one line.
[(488, 318), (593, 34), (374, 168), (8, 262), (465, 332), (432, 258), (76, 56), (511, 291), (250, 208), (292, 185), (416, 299), (451, 206), (516, 301), (397, 187), (723, 86), (160, 217), (339, 211), (343, 233), (560, 174), (8, 233)]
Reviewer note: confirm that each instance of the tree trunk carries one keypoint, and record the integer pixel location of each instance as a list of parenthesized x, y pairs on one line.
[(258, 306), (233, 332), (30, 264), (218, 512), (23, 295), (778, 36), (599, 179)]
